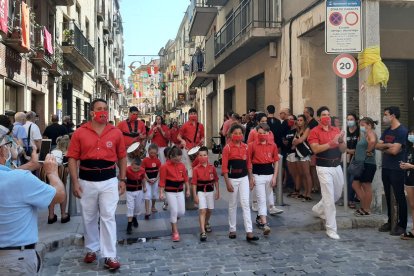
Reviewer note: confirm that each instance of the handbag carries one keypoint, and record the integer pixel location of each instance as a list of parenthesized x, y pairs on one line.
[(356, 168), (303, 149)]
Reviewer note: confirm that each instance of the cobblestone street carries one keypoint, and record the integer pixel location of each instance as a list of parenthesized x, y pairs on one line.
[(359, 252)]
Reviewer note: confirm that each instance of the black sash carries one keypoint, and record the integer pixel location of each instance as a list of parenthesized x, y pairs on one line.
[(174, 186), (205, 186), (263, 169), (133, 185), (237, 168)]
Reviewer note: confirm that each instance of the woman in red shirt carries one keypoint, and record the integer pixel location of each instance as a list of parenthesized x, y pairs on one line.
[(174, 130), (173, 177), (234, 169), (264, 159), (159, 134)]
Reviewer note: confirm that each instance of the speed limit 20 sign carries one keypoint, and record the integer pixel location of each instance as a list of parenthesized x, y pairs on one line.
[(344, 66)]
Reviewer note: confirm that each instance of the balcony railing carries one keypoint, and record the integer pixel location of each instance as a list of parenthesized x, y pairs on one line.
[(197, 62), (73, 36), (100, 10), (249, 14), (57, 59), (41, 56)]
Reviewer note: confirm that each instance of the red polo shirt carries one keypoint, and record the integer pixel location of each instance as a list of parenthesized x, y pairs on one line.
[(188, 131), (135, 176), (201, 173), (318, 135), (253, 136), (234, 152), (86, 144), (158, 139), (173, 135), (123, 126), (173, 172), (151, 166), (262, 153)]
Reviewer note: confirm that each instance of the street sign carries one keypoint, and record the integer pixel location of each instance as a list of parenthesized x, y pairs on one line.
[(343, 27), (344, 66)]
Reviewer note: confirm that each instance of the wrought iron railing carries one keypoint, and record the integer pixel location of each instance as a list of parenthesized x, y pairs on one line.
[(249, 14), (73, 36)]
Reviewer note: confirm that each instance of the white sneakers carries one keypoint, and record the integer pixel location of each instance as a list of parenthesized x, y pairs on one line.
[(275, 211), (332, 234)]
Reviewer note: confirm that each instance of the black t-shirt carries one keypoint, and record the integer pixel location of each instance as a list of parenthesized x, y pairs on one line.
[(312, 123), (276, 128), (398, 135), (53, 131), (352, 138), (249, 126), (410, 159)]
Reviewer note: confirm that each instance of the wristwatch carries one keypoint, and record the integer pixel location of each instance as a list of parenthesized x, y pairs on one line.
[(123, 179)]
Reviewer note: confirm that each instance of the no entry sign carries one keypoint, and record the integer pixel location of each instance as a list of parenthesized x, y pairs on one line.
[(344, 66), (343, 26)]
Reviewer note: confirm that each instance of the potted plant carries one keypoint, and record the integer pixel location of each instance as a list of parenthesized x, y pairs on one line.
[(68, 35)]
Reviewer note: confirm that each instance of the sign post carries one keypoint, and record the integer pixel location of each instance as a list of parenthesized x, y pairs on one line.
[(344, 66), (343, 27)]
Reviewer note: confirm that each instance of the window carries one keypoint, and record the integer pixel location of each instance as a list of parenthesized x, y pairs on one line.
[(78, 12)]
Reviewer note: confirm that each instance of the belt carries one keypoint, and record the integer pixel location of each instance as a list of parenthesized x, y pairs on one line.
[(23, 247), (327, 162)]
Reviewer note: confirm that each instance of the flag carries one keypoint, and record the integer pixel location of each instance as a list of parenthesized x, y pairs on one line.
[(4, 10), (25, 25)]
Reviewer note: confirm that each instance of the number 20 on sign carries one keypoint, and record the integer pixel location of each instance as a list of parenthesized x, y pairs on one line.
[(344, 66)]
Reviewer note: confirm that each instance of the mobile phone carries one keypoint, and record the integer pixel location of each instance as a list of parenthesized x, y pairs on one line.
[(45, 149)]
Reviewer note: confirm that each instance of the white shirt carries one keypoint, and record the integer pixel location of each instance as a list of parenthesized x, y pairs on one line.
[(58, 154), (34, 132)]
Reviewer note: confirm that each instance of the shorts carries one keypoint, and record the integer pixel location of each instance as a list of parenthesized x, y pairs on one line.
[(152, 191), (409, 181), (368, 174), (135, 203), (205, 200)]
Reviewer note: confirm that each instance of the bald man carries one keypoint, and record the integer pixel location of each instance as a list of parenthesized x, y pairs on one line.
[(54, 130)]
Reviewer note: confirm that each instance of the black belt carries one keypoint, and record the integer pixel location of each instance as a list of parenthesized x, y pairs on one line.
[(23, 247), (327, 162)]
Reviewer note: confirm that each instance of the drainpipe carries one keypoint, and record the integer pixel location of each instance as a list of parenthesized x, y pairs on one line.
[(316, 3)]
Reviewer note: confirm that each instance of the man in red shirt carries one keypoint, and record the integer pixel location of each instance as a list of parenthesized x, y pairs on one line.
[(99, 147), (327, 142), (159, 134), (133, 129), (191, 135)]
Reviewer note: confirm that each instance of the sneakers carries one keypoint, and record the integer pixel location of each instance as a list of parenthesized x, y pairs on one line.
[(397, 231), (386, 227), (332, 234), (275, 211), (203, 237), (90, 257), (255, 207), (112, 263), (175, 237), (129, 228), (135, 222), (266, 230)]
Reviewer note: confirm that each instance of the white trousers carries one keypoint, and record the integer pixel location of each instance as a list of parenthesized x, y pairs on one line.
[(332, 182), (176, 205), (241, 188), (152, 191), (99, 201), (263, 187), (161, 155), (135, 203), (187, 162)]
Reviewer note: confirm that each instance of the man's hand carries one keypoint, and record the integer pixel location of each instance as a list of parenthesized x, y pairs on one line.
[(162, 196), (251, 183), (121, 187), (217, 197), (50, 165), (183, 144), (187, 193), (229, 187), (77, 190), (273, 182), (196, 200)]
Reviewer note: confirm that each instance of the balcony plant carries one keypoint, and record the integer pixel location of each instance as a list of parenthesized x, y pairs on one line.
[(68, 36)]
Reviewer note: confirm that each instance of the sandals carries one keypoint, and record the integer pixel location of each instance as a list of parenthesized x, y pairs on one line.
[(293, 194), (232, 235), (52, 220), (361, 212), (203, 236), (65, 219), (306, 199), (352, 205), (208, 228), (407, 236)]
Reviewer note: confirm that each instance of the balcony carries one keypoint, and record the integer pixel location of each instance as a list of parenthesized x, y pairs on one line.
[(103, 73), (64, 2), (218, 3), (40, 57), (250, 28), (100, 11), (14, 38), (57, 62), (202, 18), (77, 48), (198, 71)]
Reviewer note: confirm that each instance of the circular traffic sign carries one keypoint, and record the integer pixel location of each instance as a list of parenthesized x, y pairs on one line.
[(336, 18), (344, 66)]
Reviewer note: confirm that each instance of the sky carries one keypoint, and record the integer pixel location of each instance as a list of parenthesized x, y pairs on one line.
[(148, 25)]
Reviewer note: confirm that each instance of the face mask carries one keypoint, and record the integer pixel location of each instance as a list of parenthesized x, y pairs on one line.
[(291, 123), (351, 123), (133, 117), (326, 121), (203, 159), (411, 138), (237, 138), (262, 137), (362, 129), (101, 116), (193, 118), (386, 120)]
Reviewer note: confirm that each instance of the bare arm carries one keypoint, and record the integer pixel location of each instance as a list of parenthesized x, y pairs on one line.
[(51, 169)]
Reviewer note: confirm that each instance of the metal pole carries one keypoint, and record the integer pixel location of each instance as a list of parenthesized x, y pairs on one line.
[(344, 113), (279, 186)]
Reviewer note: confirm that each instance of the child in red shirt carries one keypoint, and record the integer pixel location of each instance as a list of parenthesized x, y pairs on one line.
[(173, 177), (135, 187), (152, 166), (204, 180)]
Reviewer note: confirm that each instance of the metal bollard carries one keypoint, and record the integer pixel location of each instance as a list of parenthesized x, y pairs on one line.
[(72, 208), (279, 186)]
